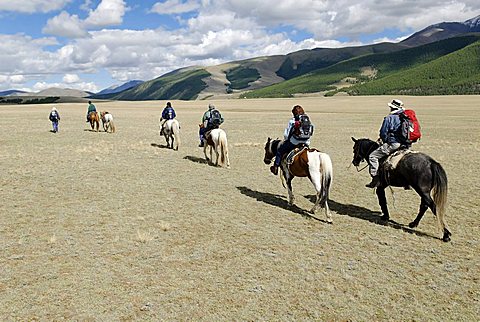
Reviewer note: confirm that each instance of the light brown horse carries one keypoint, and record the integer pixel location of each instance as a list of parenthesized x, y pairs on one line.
[(310, 163), (94, 120)]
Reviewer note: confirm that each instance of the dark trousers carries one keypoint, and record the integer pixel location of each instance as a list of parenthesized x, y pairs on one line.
[(285, 148)]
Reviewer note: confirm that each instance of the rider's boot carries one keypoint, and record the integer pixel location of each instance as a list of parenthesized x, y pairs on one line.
[(274, 169), (374, 183)]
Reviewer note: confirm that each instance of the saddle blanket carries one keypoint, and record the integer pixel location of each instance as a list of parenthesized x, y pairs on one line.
[(392, 160)]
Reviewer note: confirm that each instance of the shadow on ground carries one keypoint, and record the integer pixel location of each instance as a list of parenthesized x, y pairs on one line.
[(277, 201), (369, 215), (160, 146), (196, 159)]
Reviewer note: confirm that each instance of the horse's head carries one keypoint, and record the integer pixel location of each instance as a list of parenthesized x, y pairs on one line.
[(269, 153), (362, 149)]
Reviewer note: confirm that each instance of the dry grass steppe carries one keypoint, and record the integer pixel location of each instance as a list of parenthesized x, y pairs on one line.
[(98, 226)]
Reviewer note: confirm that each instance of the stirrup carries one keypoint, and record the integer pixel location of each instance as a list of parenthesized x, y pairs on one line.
[(274, 169)]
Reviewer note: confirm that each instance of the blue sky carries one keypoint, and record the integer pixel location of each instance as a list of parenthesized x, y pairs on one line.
[(93, 44)]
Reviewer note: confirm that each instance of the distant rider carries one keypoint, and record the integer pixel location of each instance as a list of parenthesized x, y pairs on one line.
[(91, 108), (292, 137), (54, 117), (168, 113), (390, 142), (212, 119)]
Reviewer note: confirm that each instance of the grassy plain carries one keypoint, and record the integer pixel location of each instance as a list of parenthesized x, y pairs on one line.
[(97, 226)]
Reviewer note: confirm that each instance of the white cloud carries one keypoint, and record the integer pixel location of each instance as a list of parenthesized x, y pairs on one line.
[(175, 7), (71, 78), (86, 5), (65, 25), (32, 6), (108, 13)]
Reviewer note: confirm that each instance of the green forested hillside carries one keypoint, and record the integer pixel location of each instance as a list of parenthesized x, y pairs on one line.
[(240, 77), (306, 61), (383, 64), (183, 85), (455, 73)]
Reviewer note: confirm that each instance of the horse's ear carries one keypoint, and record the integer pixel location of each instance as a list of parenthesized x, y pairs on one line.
[(354, 140)]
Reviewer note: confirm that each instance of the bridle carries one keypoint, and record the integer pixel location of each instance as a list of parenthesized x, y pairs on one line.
[(270, 152), (357, 155)]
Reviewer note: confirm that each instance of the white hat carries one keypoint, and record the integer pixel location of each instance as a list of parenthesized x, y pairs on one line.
[(211, 106), (395, 104), (54, 109)]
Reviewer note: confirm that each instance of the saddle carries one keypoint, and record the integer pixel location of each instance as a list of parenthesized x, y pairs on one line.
[(391, 161), (292, 154)]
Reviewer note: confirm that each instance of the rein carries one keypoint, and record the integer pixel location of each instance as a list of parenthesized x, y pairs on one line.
[(370, 150)]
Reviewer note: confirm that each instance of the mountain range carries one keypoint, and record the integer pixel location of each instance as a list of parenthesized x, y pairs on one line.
[(333, 70), (440, 59)]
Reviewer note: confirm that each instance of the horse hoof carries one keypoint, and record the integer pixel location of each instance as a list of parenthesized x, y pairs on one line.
[(446, 239), (385, 217), (412, 224)]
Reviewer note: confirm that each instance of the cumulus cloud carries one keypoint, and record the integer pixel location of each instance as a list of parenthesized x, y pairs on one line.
[(65, 25), (175, 7), (107, 13), (32, 6)]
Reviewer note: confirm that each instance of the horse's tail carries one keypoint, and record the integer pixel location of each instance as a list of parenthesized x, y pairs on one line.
[(223, 148), (439, 192), (112, 127), (176, 133), (326, 170)]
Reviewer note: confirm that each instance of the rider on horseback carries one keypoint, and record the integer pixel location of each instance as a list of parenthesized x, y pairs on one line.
[(212, 119), (91, 108), (168, 113), (293, 136), (389, 135)]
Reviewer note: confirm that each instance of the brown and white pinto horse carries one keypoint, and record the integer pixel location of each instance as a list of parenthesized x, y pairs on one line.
[(94, 120), (311, 163)]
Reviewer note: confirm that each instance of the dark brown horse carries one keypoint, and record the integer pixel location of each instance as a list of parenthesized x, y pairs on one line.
[(415, 170), (310, 163), (94, 120)]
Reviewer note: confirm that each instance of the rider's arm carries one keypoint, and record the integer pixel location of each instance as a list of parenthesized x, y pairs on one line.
[(288, 130), (384, 129)]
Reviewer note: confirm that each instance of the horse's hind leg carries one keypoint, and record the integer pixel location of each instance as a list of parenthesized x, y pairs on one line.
[(291, 197), (425, 203)]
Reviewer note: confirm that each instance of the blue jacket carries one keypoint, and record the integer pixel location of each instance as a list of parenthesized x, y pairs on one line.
[(168, 113), (390, 126)]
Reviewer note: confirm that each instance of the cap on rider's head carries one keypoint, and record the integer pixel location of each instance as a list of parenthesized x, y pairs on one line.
[(169, 104), (297, 110), (54, 108), (211, 106), (395, 104)]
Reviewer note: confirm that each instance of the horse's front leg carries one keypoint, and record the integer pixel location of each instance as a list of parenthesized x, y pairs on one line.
[(205, 146), (382, 201)]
